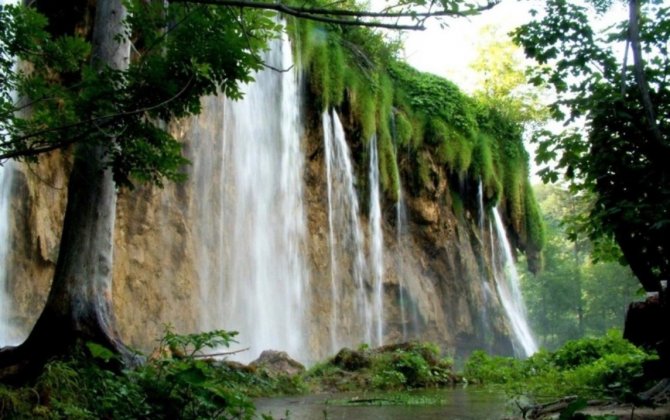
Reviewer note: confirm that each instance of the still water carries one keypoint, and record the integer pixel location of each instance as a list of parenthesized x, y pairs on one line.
[(456, 403)]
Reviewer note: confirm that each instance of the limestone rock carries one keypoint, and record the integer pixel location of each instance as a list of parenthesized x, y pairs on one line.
[(277, 363)]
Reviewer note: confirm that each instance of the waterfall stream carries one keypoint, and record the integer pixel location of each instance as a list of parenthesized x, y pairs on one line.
[(347, 258), (507, 284), (255, 279), (376, 246), (486, 289), (6, 336)]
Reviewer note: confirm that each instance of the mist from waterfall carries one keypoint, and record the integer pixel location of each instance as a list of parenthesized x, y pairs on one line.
[(376, 246), (254, 278), (507, 283), (345, 239)]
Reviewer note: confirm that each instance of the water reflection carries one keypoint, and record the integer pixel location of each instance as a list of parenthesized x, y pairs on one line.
[(456, 403)]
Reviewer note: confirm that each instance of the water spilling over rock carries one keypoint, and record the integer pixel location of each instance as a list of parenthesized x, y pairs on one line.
[(267, 237), (507, 284), (253, 272), (348, 267), (6, 335)]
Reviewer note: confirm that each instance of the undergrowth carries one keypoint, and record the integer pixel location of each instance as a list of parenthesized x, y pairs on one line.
[(392, 367), (604, 367), (176, 383)]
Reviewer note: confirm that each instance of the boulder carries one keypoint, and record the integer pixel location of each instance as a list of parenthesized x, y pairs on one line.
[(351, 360), (277, 363)]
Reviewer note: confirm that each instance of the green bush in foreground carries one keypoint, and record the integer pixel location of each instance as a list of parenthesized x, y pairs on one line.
[(607, 366), (177, 383)]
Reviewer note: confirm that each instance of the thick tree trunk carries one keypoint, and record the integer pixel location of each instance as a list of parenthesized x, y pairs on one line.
[(79, 304)]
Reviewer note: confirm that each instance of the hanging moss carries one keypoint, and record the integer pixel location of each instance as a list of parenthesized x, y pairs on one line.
[(429, 117), (403, 128), (482, 160), (457, 203), (363, 102), (535, 239), (423, 169)]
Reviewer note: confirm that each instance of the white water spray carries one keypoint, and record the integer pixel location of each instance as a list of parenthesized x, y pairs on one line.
[(508, 287), (486, 289), (345, 235), (258, 270), (6, 335), (376, 246)]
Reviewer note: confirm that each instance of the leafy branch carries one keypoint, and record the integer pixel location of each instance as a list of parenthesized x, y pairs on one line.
[(356, 17)]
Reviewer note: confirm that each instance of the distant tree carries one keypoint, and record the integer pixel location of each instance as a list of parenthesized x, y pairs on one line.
[(501, 78), (574, 295)]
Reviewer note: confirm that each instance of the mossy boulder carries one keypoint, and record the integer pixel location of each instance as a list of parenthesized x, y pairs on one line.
[(351, 360)]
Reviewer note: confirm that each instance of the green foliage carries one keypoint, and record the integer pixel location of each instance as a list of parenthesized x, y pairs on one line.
[(621, 156), (72, 101), (608, 366), (404, 130), (177, 383), (573, 295), (403, 366)]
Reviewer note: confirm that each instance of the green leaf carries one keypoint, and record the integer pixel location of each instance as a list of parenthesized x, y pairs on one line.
[(100, 352)]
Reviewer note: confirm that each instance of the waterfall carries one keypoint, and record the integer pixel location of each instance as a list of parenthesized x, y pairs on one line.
[(347, 257), (376, 245), (486, 289), (255, 278), (6, 336), (508, 287), (401, 227)]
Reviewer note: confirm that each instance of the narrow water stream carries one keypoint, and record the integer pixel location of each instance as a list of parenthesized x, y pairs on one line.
[(455, 403)]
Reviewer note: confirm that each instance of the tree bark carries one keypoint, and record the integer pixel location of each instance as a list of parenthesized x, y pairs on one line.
[(79, 304)]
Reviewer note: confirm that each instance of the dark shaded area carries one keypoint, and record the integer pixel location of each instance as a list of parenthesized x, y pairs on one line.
[(646, 326)]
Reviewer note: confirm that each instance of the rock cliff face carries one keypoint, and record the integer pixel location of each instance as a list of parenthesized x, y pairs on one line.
[(436, 273)]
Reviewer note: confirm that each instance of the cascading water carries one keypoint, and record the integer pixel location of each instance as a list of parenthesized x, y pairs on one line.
[(256, 279), (6, 336), (508, 287), (376, 245), (347, 262), (486, 290)]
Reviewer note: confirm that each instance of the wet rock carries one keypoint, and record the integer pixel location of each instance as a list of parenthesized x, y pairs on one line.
[(277, 363)]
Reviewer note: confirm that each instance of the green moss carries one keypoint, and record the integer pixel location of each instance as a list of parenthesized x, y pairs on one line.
[(457, 203), (482, 160), (403, 129), (325, 61), (534, 223), (433, 121), (388, 168), (392, 367), (423, 169)]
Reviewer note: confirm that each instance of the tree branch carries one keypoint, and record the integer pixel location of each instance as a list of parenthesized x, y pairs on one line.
[(322, 15), (638, 62)]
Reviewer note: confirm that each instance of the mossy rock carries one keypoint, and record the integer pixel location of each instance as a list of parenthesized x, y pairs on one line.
[(351, 360)]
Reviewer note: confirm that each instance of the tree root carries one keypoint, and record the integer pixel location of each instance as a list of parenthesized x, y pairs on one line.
[(658, 394)]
